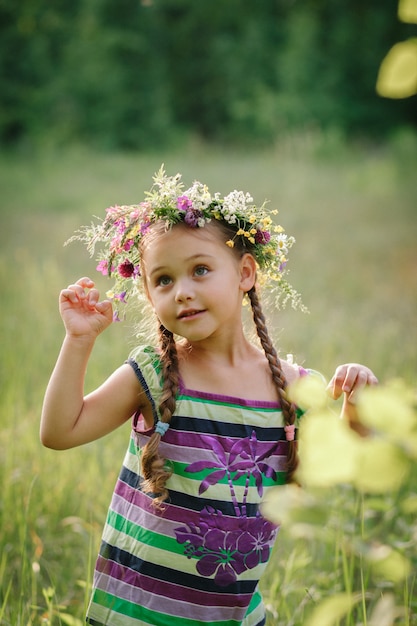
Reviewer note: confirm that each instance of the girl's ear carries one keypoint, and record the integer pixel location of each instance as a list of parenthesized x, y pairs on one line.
[(247, 272)]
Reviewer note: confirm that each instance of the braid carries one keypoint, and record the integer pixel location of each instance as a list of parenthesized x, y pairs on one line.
[(278, 378), (153, 468)]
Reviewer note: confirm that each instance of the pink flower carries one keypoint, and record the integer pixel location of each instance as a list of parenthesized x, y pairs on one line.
[(184, 203), (103, 267), (127, 246)]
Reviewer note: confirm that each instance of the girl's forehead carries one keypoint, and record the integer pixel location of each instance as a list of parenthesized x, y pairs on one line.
[(182, 235)]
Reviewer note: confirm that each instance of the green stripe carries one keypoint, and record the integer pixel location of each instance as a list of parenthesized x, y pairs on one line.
[(254, 603), (130, 609), (156, 540), (180, 469)]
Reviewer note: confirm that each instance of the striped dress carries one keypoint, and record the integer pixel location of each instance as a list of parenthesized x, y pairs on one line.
[(199, 560)]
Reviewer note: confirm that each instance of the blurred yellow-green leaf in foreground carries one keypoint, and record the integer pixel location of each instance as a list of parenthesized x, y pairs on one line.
[(407, 11), (331, 453), (397, 77), (388, 564), (330, 611)]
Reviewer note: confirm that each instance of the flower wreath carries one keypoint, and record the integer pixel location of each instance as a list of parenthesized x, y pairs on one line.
[(121, 231)]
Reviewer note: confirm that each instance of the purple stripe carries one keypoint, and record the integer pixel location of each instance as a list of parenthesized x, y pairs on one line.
[(216, 397), (116, 573), (187, 442), (137, 498)]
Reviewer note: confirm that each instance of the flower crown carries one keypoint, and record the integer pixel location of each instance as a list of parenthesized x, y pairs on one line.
[(120, 233)]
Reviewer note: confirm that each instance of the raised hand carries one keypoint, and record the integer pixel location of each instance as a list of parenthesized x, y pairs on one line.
[(349, 379), (82, 312)]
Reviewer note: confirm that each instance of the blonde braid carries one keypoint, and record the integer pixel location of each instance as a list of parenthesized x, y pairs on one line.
[(278, 378), (154, 470)]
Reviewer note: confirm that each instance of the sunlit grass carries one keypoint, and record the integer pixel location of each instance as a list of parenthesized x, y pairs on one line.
[(352, 212)]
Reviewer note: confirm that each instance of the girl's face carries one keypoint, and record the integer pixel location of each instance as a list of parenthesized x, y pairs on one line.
[(195, 282)]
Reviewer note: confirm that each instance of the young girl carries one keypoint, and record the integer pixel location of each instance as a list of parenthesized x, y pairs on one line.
[(212, 429)]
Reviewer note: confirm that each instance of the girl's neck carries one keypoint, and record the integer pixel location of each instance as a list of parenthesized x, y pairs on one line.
[(220, 353), (241, 371)]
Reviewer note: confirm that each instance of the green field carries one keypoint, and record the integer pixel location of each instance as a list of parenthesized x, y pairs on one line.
[(353, 212)]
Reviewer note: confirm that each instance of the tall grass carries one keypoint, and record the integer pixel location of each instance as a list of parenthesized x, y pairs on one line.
[(353, 213)]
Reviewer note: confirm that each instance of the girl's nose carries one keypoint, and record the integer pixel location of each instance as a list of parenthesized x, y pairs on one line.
[(184, 291)]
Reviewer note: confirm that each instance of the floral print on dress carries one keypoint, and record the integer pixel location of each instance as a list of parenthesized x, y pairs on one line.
[(224, 546)]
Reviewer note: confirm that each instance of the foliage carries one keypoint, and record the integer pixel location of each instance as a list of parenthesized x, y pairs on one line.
[(397, 76), (359, 499), (140, 74)]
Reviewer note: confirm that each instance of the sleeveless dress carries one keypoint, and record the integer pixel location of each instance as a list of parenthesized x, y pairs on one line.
[(199, 560)]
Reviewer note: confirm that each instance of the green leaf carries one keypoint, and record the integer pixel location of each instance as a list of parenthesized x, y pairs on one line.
[(407, 11), (328, 451), (309, 392), (397, 77), (331, 610), (384, 612), (389, 410), (381, 466), (409, 504), (281, 504), (388, 564)]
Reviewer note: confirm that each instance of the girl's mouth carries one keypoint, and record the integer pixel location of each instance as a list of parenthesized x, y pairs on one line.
[(189, 313)]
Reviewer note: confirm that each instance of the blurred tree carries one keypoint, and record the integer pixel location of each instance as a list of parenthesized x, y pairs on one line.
[(134, 73)]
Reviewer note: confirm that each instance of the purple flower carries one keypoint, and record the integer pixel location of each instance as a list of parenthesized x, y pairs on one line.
[(225, 547), (192, 217), (262, 237), (121, 297)]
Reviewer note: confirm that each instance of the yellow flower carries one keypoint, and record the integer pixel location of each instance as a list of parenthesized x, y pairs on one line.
[(253, 231), (110, 294), (134, 231), (251, 239), (266, 221), (240, 232), (230, 243), (252, 219), (278, 229)]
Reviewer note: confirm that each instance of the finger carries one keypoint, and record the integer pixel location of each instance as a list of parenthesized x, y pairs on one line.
[(105, 308), (85, 282), (92, 298), (335, 386), (72, 293), (359, 383), (372, 379)]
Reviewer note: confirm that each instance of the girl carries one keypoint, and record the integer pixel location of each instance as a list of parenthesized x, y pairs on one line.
[(212, 427)]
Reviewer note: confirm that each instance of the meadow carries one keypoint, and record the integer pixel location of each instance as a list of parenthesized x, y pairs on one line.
[(353, 212)]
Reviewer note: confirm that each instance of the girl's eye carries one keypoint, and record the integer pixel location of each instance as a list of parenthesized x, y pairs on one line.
[(201, 270), (163, 281)]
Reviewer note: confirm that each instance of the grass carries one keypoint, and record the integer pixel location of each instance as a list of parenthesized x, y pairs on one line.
[(353, 213)]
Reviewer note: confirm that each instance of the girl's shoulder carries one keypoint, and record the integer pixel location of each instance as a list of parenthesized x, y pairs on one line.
[(291, 370)]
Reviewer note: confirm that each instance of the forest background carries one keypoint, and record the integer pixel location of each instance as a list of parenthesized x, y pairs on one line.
[(275, 97), (143, 74)]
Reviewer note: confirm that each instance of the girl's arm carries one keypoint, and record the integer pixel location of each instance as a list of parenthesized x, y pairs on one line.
[(349, 379), (68, 418)]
